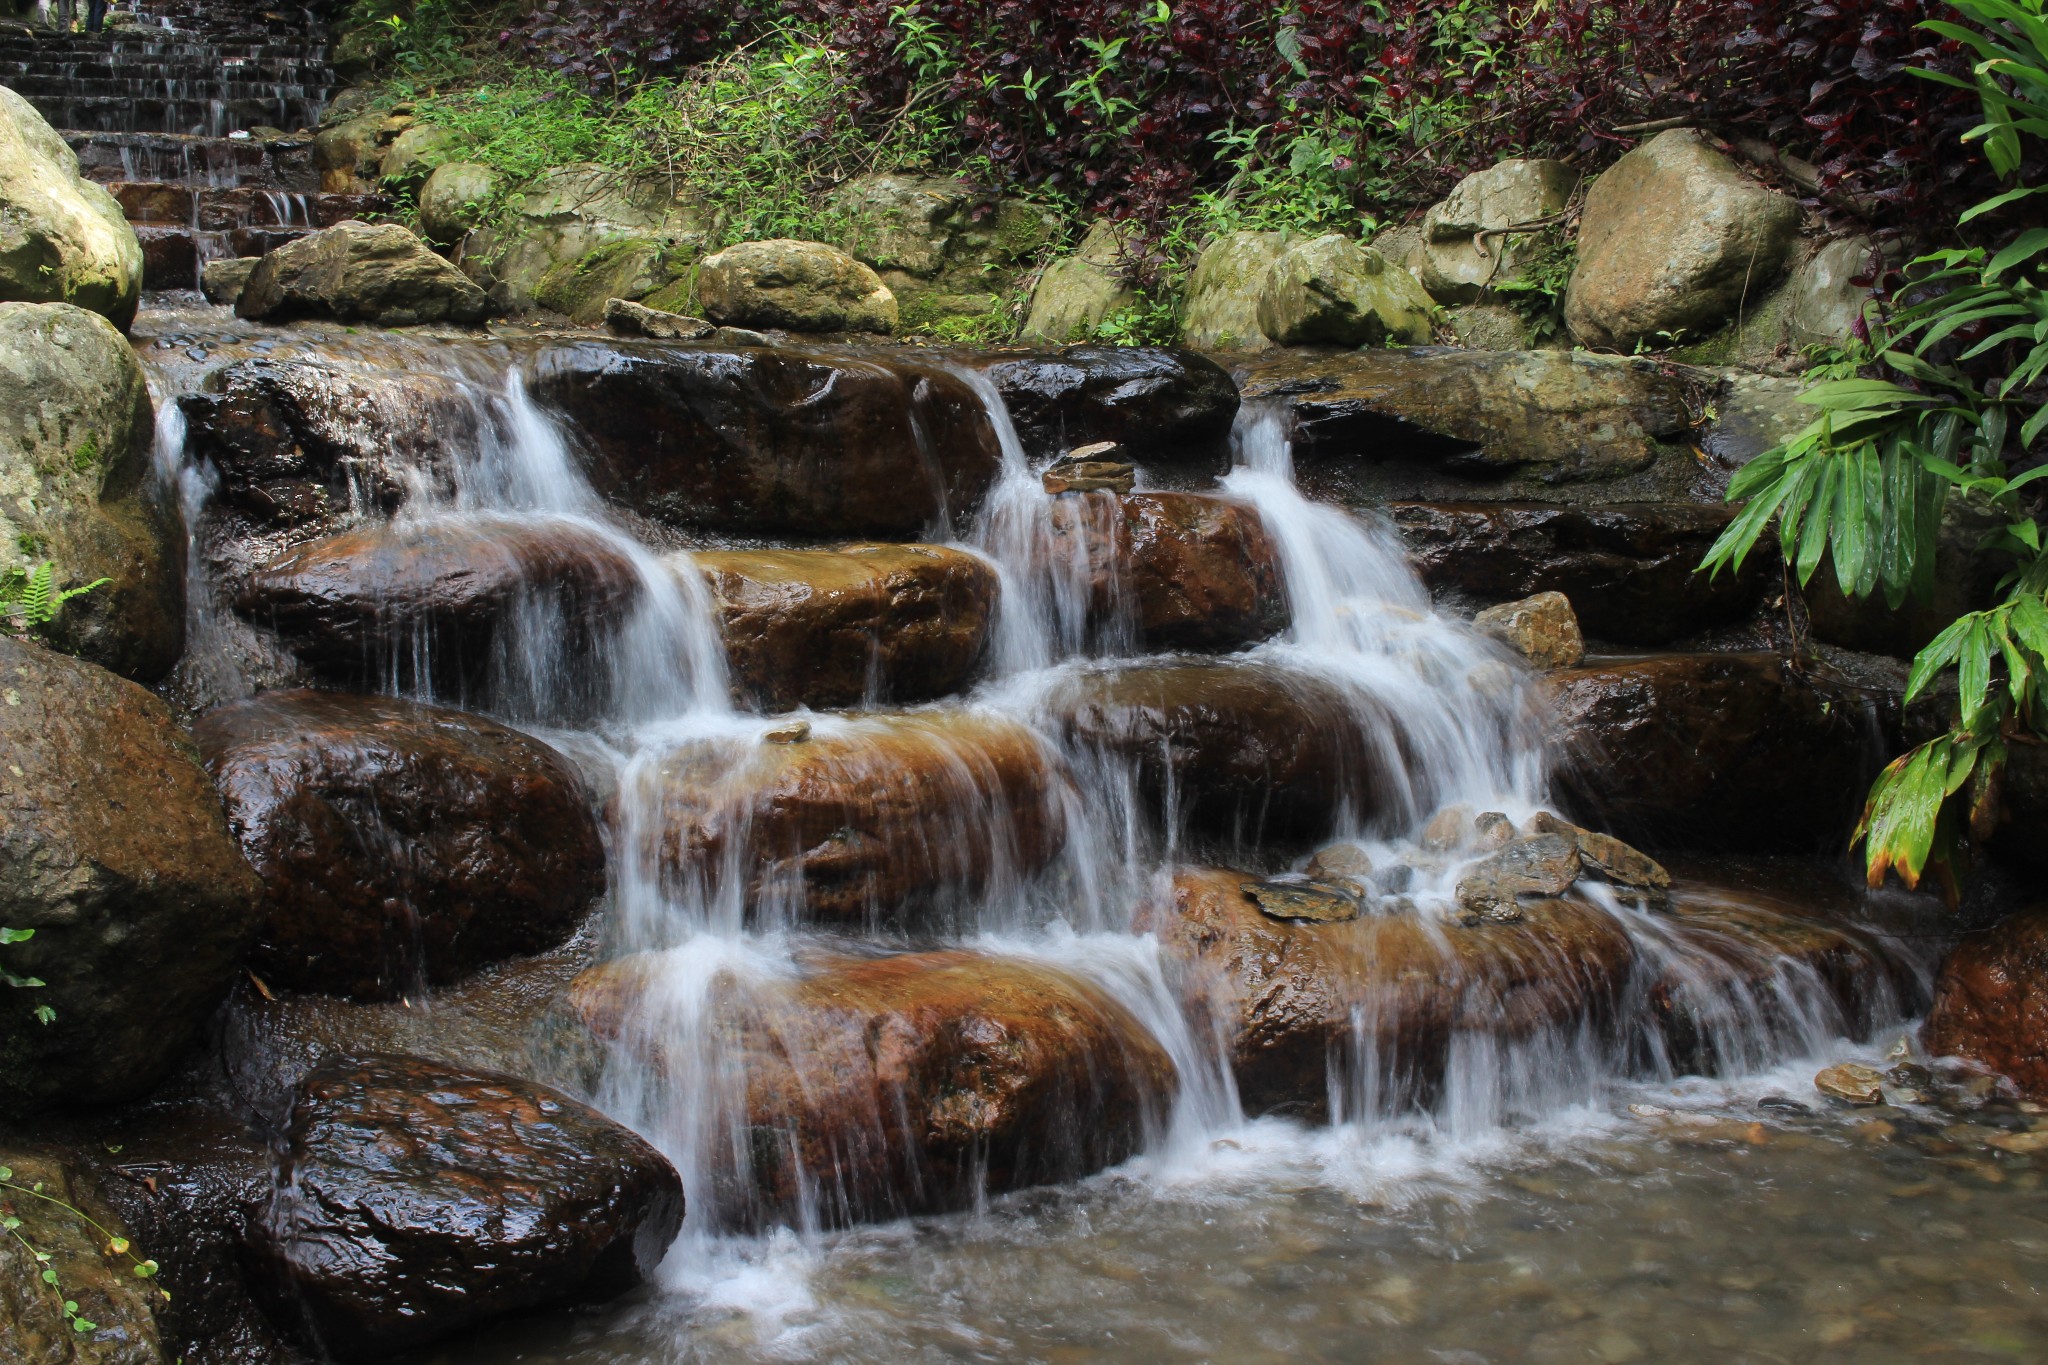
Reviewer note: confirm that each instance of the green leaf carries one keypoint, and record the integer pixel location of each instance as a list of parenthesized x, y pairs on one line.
[(2024, 247), (16, 935), (1973, 671), (1939, 653)]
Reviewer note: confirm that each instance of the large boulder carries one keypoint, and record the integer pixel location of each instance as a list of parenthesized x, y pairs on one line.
[(921, 1082), (1711, 751), (1629, 569), (1385, 996), (75, 487), (62, 239), (360, 272), (453, 200), (866, 623), (861, 819), (114, 852), (945, 248), (1478, 238), (1674, 240), (1166, 407), (1828, 292), (425, 1200), (1222, 308), (399, 843), (439, 602), (798, 286), (101, 1284), (1549, 417), (1991, 1002), (414, 153), (571, 214), (1247, 750), (1330, 291), (1077, 293), (1175, 570), (780, 441)]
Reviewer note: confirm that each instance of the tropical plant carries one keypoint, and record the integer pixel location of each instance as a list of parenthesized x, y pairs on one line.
[(30, 598), (1946, 404)]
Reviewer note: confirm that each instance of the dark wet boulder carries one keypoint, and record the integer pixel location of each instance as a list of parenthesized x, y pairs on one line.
[(907, 1084), (1629, 568), (360, 272), (2023, 807), (1185, 570), (1991, 1001), (779, 440), (436, 602), (114, 852), (417, 1200), (399, 843), (1248, 750), (837, 627), (1299, 1002), (859, 819), (1710, 751), (1165, 407)]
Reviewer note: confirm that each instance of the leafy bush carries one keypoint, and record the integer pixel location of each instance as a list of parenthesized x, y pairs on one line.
[(610, 47), (1948, 402)]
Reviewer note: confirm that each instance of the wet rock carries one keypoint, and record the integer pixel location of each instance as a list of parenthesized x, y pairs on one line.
[(417, 1201), (63, 239), (102, 1284), (299, 442), (399, 843), (871, 818), (1098, 467), (1166, 407), (1330, 291), (222, 281), (1311, 901), (1345, 864), (114, 853), (627, 318), (1606, 857), (1301, 1002), (453, 200), (1467, 250), (1628, 569), (1991, 1002), (1557, 417), (1541, 865), (1542, 629), (798, 286), (359, 272), (75, 488), (432, 601), (790, 441), (1222, 308), (1709, 751), (1491, 829), (1077, 293), (2023, 807), (1851, 1081), (1673, 241), (1253, 751), (838, 627), (908, 1084), (1188, 570)]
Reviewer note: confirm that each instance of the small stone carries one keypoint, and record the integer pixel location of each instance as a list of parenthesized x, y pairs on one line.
[(1314, 902), (1542, 629), (1493, 830), (2021, 1144), (222, 281), (1081, 471), (796, 732), (1852, 1082), (738, 336), (1345, 861), (1542, 865), (628, 318), (1449, 828), (1606, 857)]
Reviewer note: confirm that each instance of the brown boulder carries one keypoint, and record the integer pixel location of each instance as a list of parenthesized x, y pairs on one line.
[(866, 623), (1991, 1001), (429, 602), (1247, 750), (1299, 1002), (379, 273), (416, 1200), (1628, 568), (113, 851), (860, 821), (788, 440), (1709, 751), (908, 1084), (1542, 629), (1187, 570), (399, 843)]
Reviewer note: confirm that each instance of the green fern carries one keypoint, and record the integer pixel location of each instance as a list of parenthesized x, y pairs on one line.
[(33, 597)]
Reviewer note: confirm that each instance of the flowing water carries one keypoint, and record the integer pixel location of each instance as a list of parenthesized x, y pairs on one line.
[(1518, 1211)]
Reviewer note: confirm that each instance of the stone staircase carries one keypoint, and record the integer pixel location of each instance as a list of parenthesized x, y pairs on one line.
[(197, 115)]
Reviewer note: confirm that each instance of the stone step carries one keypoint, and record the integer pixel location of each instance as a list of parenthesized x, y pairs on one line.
[(183, 86), (205, 66), (218, 162), (172, 257), (221, 210), (198, 117)]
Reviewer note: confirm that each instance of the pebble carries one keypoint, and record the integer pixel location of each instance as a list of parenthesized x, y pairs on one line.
[(1851, 1082)]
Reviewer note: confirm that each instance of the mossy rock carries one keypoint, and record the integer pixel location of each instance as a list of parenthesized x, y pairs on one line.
[(635, 268)]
